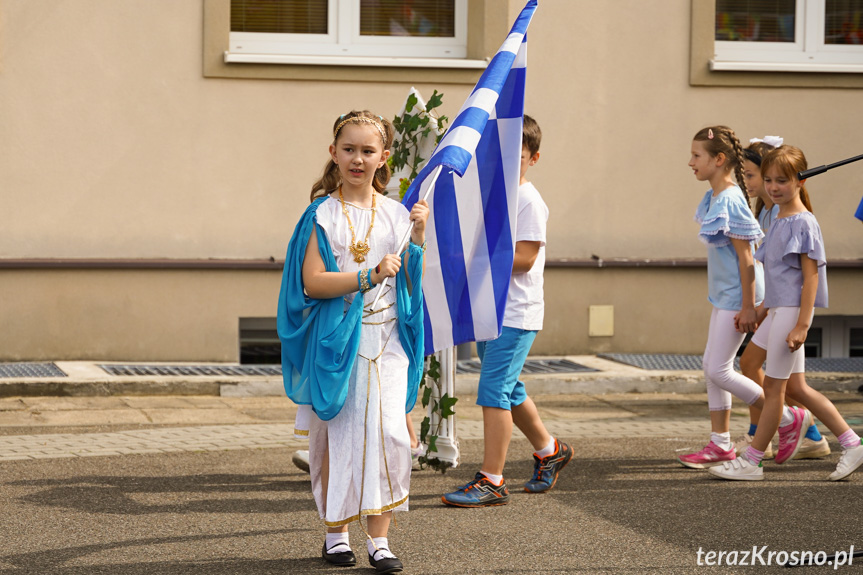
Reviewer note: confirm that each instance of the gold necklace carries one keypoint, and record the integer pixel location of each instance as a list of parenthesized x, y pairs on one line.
[(358, 249)]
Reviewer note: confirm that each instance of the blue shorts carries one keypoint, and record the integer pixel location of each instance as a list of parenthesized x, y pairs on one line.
[(502, 360)]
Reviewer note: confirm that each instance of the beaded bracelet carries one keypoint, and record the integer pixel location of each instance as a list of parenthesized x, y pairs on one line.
[(364, 281)]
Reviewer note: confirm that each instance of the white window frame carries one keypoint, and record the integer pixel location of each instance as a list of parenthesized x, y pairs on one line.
[(808, 53), (343, 44), (836, 333)]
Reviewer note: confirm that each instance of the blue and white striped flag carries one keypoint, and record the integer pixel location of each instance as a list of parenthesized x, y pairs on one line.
[(471, 230)]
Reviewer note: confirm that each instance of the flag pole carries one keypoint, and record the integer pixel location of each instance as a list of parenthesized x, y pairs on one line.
[(407, 235), (821, 169)]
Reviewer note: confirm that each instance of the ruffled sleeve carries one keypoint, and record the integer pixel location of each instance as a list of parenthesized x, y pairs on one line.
[(726, 217), (761, 252), (701, 210), (805, 238)]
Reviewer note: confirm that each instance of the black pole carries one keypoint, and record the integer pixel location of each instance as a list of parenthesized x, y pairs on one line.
[(821, 169)]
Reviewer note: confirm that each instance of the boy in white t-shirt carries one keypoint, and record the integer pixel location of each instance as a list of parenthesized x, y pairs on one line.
[(500, 393)]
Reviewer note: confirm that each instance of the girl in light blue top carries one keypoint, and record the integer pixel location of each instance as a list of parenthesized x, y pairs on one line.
[(766, 216), (735, 286), (796, 283)]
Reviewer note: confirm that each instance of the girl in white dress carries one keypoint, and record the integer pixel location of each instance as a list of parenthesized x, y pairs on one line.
[(345, 245)]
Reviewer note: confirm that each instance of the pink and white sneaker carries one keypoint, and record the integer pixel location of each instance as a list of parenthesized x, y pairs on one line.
[(791, 436), (711, 455)]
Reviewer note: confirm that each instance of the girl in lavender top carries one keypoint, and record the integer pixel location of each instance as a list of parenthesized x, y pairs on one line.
[(752, 360), (796, 283), (735, 285)]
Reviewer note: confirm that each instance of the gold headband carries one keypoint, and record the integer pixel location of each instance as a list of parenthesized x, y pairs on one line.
[(362, 120)]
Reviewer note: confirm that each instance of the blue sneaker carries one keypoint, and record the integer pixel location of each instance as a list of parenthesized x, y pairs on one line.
[(545, 470), (478, 493)]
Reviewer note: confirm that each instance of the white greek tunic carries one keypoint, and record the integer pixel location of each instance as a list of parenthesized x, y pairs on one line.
[(367, 442)]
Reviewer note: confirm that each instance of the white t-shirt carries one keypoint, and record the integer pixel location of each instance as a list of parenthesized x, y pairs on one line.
[(524, 304)]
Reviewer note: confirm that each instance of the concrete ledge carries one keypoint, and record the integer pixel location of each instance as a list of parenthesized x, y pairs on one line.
[(253, 388), (72, 388), (594, 383), (660, 382), (85, 379)]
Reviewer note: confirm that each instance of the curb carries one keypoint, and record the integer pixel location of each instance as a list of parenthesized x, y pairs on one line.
[(72, 388), (88, 379), (685, 382), (682, 382)]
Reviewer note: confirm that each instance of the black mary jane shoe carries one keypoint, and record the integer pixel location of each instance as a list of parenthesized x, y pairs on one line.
[(340, 559), (386, 565)]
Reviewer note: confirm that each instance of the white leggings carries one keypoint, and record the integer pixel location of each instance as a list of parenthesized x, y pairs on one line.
[(771, 334), (723, 341)]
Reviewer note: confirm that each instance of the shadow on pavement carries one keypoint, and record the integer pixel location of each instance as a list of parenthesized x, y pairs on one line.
[(51, 561), (123, 495)]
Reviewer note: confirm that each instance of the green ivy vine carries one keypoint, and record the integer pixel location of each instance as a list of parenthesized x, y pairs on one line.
[(443, 407), (412, 127)]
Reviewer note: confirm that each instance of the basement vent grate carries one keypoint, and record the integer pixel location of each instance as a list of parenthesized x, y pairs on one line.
[(531, 366), (464, 366), (193, 370), (30, 370), (835, 364), (655, 361)]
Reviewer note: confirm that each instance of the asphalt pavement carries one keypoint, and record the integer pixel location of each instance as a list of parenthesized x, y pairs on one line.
[(204, 484)]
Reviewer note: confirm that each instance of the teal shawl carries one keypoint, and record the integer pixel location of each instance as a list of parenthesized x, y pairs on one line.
[(320, 339)]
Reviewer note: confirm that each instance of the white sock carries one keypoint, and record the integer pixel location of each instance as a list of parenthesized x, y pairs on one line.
[(496, 479), (547, 450), (383, 548), (787, 416), (722, 440), (338, 542)]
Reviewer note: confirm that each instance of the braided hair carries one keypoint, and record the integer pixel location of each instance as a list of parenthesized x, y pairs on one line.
[(722, 140)]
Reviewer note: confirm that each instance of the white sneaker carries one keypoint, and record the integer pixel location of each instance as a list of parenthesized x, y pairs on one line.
[(813, 449), (745, 440), (739, 469), (301, 459), (850, 460)]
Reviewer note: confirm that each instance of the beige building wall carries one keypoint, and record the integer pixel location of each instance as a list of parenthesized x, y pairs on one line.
[(123, 142), (656, 310), (118, 315)]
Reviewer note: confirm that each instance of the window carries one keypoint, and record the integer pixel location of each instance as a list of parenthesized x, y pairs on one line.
[(855, 347), (789, 35), (813, 345), (839, 336), (339, 32)]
